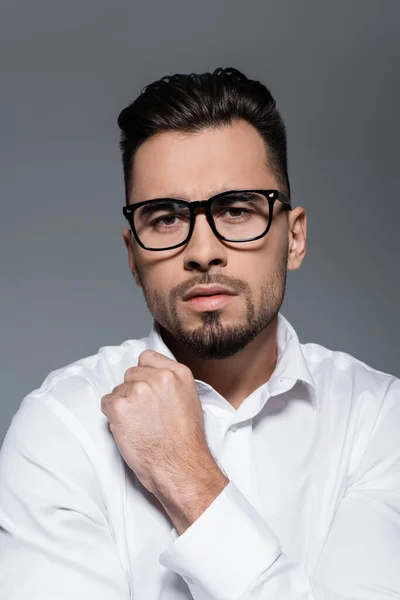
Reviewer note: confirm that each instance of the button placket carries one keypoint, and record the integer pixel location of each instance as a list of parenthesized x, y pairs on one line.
[(238, 459)]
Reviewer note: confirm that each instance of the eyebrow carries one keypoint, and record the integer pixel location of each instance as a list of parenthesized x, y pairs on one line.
[(157, 204), (178, 197), (173, 198), (248, 195)]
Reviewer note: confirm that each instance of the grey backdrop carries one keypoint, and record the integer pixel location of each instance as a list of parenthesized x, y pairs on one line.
[(68, 68)]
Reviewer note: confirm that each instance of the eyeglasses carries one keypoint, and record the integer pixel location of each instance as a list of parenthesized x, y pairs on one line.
[(234, 216)]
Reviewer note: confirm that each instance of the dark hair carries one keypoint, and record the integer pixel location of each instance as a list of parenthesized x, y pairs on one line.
[(189, 103)]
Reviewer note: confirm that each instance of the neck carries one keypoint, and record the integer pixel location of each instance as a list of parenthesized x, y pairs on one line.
[(236, 377)]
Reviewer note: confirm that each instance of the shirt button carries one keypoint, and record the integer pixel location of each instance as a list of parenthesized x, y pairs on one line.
[(234, 428)]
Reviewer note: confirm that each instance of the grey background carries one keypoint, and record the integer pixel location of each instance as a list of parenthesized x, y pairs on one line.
[(68, 68)]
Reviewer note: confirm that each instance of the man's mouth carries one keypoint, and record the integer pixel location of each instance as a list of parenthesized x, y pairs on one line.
[(206, 302)]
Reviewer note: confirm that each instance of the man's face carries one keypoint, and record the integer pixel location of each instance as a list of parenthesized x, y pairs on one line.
[(194, 167)]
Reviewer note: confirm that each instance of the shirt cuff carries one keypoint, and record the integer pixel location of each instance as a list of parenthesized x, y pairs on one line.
[(225, 549)]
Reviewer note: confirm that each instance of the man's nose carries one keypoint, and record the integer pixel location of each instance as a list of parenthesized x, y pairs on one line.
[(204, 249)]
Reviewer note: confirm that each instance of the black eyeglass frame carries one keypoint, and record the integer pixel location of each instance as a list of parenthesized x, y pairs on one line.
[(271, 196)]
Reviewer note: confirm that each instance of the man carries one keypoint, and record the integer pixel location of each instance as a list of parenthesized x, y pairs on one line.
[(218, 458)]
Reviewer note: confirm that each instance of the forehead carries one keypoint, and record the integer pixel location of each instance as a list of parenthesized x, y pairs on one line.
[(197, 165)]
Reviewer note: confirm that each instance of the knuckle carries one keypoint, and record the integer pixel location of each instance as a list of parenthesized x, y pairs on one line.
[(140, 388), (145, 356), (104, 402), (119, 408), (165, 376), (109, 402), (183, 370), (128, 374), (117, 392)]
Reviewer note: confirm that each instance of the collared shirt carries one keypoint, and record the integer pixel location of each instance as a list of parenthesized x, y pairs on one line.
[(311, 512)]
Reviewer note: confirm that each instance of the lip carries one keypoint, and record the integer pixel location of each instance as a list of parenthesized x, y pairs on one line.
[(204, 290), (209, 303)]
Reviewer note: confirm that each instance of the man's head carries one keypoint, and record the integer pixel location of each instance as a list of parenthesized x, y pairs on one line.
[(190, 137)]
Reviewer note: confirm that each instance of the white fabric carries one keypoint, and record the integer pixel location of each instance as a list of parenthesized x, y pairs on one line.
[(312, 510)]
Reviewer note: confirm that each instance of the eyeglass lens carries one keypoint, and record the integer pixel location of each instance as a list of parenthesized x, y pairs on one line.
[(237, 217)]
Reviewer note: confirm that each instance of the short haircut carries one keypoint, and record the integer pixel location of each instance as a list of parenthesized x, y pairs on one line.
[(190, 103)]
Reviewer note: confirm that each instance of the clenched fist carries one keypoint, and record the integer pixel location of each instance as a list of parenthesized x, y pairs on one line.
[(157, 421)]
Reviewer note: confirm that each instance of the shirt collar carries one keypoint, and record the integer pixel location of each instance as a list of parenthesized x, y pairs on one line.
[(291, 363)]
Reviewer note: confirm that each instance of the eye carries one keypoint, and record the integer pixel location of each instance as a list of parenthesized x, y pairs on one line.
[(237, 209), (234, 213), (166, 220)]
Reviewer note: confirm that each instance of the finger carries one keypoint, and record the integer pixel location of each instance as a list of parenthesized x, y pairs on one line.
[(152, 376), (105, 404), (124, 390), (139, 373), (151, 358)]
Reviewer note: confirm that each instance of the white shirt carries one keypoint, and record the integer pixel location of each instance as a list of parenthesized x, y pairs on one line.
[(312, 510)]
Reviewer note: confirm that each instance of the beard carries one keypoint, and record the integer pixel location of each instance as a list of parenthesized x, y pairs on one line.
[(212, 340)]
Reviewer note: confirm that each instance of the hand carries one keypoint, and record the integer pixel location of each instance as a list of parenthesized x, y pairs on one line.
[(157, 421)]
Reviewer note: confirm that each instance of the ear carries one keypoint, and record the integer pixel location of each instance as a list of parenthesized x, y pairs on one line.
[(128, 239), (297, 233)]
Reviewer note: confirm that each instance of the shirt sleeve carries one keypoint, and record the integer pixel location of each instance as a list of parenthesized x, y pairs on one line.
[(230, 553), (55, 542)]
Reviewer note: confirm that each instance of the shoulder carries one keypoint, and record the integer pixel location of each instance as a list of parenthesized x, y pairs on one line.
[(90, 376), (329, 364), (361, 402), (70, 396), (346, 382)]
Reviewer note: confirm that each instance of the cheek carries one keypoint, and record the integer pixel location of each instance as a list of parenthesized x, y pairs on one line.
[(260, 269), (254, 267), (158, 277)]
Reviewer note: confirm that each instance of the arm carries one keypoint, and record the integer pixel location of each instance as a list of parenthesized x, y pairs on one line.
[(54, 537), (230, 553)]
